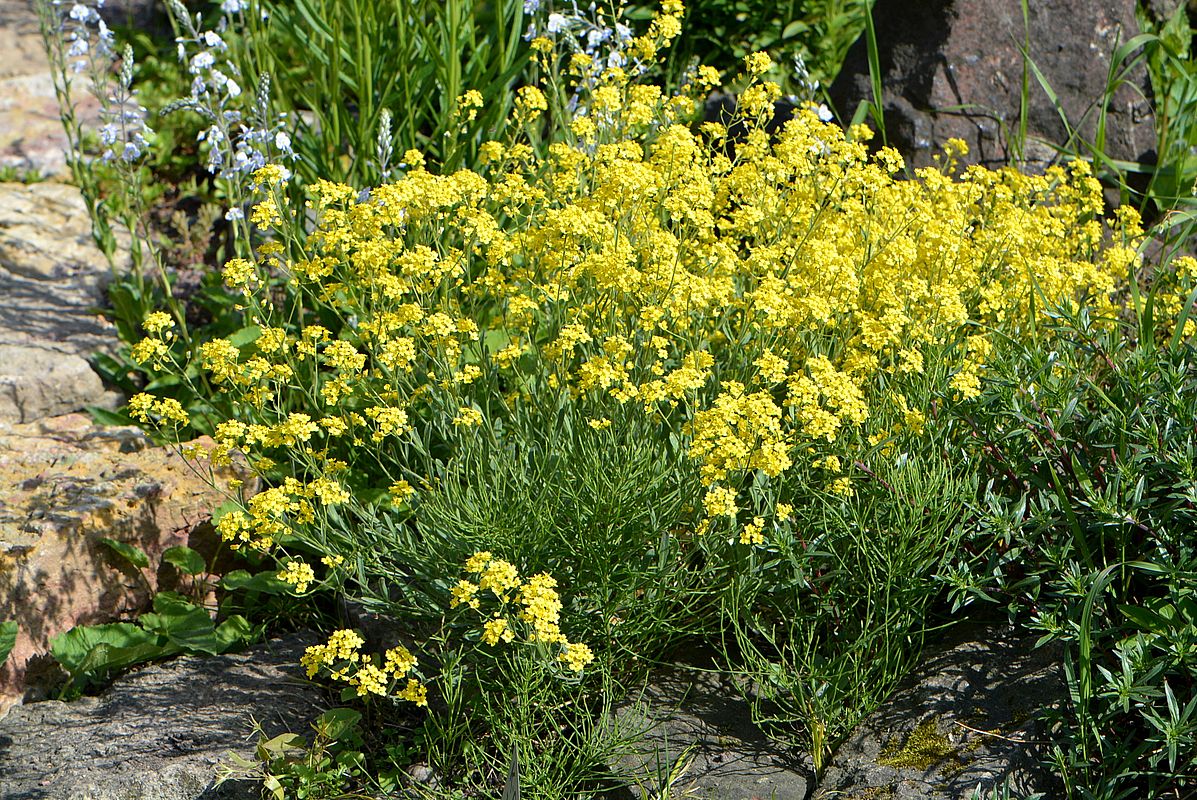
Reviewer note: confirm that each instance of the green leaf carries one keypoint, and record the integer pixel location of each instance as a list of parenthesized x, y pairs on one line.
[(1145, 619), (183, 624), (264, 582), (90, 649), (185, 560), (794, 28), (336, 722), (233, 632), (105, 416), (8, 638), (244, 336), (130, 553)]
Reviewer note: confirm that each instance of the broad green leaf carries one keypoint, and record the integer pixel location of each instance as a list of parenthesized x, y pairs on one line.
[(244, 336), (335, 722), (130, 553), (8, 638), (73, 649), (264, 582), (185, 560), (106, 417), (234, 631)]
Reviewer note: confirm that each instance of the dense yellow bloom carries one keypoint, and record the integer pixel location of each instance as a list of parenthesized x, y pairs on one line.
[(576, 656), (769, 307), (757, 63), (720, 501), (298, 574), (399, 661), (496, 630), (157, 322), (414, 692), (150, 350), (754, 532), (529, 102)]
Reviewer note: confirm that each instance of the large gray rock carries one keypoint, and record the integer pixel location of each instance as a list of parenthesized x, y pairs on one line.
[(697, 739), (158, 733), (965, 718), (953, 68), (51, 280)]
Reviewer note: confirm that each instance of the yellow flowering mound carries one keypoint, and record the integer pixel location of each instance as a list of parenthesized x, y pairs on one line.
[(781, 309), (761, 298)]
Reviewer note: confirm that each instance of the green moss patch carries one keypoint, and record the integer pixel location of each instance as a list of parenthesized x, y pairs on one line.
[(923, 748)]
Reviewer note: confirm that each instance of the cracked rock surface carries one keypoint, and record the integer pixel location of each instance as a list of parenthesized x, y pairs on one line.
[(66, 483), (51, 280), (159, 733)]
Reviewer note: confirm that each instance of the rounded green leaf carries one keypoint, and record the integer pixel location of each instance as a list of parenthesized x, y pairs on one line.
[(185, 560), (130, 553)]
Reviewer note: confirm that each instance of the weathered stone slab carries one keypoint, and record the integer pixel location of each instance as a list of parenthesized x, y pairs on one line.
[(51, 280), (697, 740), (65, 483), (965, 718), (32, 138), (158, 733), (954, 68)]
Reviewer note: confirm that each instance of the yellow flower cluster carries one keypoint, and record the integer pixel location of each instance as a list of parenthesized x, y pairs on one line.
[(761, 300), (298, 574), (534, 603), (270, 514), (390, 675)]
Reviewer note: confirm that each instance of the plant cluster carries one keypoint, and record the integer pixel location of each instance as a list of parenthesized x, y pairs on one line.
[(652, 380)]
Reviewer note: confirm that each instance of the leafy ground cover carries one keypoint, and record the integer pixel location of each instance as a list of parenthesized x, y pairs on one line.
[(534, 362)]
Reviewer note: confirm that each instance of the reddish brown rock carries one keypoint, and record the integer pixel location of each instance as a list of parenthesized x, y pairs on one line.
[(954, 68), (66, 483)]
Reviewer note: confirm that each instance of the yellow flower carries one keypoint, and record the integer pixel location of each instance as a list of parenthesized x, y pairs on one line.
[(414, 692), (576, 656), (270, 174), (369, 679), (496, 630), (468, 417), (399, 661), (402, 491), (298, 574), (530, 102), (464, 593), (757, 63), (754, 532), (720, 501), (157, 322)]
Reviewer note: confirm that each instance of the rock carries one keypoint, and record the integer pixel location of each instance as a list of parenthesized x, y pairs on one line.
[(1162, 10), (953, 68), (32, 138), (144, 15), (695, 721), (65, 483), (965, 718), (52, 278), (158, 733)]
